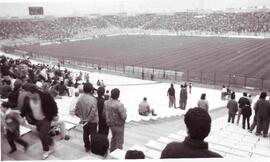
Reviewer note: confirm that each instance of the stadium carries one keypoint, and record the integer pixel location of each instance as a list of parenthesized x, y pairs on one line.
[(207, 62)]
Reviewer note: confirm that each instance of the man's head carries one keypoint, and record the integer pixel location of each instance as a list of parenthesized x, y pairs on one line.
[(171, 85), (134, 154), (100, 145), (87, 88), (33, 91), (115, 93), (107, 91), (100, 91), (198, 123), (77, 94), (203, 96), (233, 96), (17, 84), (263, 95), (144, 99), (4, 107), (245, 94)]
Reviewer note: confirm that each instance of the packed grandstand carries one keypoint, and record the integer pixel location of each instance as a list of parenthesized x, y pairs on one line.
[(69, 27)]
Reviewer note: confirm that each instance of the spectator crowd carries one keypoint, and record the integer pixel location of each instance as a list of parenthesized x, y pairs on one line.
[(69, 27)]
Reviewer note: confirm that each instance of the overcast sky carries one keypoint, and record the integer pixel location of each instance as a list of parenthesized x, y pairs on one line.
[(67, 7)]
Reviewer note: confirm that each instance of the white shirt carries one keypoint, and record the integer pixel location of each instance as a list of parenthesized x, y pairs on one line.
[(36, 109)]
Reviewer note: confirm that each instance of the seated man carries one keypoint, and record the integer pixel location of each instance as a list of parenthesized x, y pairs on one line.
[(62, 89), (100, 145), (134, 154), (144, 108), (198, 124)]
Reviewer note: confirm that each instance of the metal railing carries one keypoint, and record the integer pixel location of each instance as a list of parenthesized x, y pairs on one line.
[(216, 78)]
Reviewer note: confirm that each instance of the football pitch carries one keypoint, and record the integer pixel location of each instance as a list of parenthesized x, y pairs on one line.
[(237, 56)]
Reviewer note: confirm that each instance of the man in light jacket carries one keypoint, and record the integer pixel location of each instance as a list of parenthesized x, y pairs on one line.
[(86, 110), (116, 115)]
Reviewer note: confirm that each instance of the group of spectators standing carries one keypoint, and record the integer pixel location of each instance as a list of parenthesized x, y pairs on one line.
[(243, 108), (202, 103)]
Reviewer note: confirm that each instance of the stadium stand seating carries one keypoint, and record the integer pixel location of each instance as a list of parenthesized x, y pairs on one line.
[(229, 140)]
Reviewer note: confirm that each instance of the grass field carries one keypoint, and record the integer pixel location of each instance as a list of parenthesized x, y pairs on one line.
[(243, 56)]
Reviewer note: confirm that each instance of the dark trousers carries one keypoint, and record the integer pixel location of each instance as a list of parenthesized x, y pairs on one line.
[(172, 101), (254, 123), (117, 140), (245, 118), (183, 103), (12, 138), (89, 129), (262, 124), (43, 127), (223, 95), (231, 117), (103, 129)]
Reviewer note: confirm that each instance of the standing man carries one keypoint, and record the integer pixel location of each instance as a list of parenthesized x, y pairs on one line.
[(171, 94), (232, 106), (107, 95), (116, 116), (243, 101), (102, 125), (263, 115), (183, 97), (190, 86), (86, 110)]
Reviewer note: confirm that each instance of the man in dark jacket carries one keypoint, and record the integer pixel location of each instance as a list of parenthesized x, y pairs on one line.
[(198, 124), (232, 106), (102, 125), (40, 109), (13, 95), (5, 90), (246, 112), (62, 89), (243, 101), (183, 97), (171, 94), (262, 115)]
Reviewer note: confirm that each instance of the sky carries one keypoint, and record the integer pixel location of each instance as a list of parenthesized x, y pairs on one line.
[(68, 7)]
